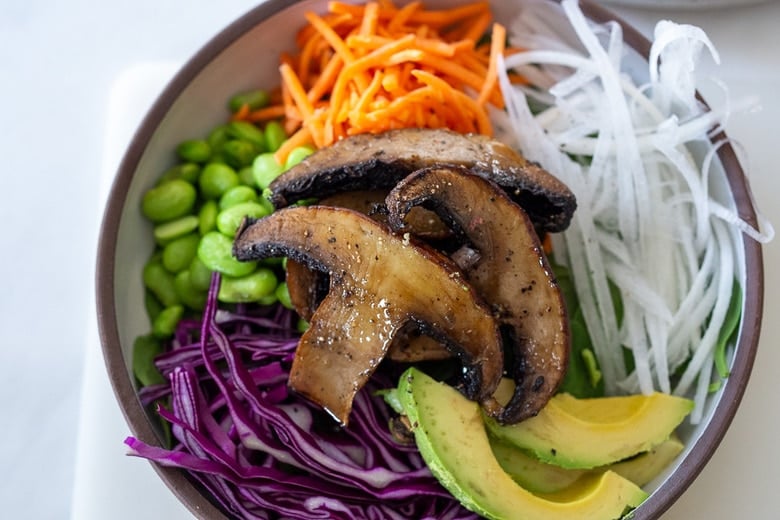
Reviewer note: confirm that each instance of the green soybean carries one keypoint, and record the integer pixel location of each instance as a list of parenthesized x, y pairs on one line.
[(160, 282), (267, 300), (173, 229), (216, 179), (216, 252), (302, 325), (145, 349), (152, 304), (296, 155), (229, 219), (200, 275), (246, 176), (267, 204), (164, 325), (239, 153), (207, 217), (283, 295), (217, 137), (266, 169), (250, 288), (191, 296), (255, 99), (185, 171), (246, 131), (237, 195), (194, 150), (178, 254), (168, 201), (274, 136)]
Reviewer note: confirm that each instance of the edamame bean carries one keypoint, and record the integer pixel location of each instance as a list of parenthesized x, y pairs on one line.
[(216, 179), (178, 254), (145, 349), (229, 219), (189, 295), (297, 154), (248, 288), (185, 171), (194, 150), (152, 305), (283, 295), (216, 252), (237, 195), (274, 136), (255, 99), (246, 176), (166, 232), (200, 275), (302, 325), (246, 131), (266, 169), (217, 137), (239, 153), (168, 201), (267, 300), (267, 204), (160, 282), (165, 324), (207, 217)]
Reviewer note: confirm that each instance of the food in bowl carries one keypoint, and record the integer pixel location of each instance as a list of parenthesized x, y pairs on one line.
[(260, 450)]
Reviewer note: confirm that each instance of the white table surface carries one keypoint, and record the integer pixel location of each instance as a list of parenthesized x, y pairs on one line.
[(61, 64)]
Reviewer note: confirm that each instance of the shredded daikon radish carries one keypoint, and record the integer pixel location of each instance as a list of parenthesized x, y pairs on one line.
[(648, 221)]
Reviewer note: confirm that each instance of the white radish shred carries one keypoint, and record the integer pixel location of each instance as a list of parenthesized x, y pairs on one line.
[(646, 219)]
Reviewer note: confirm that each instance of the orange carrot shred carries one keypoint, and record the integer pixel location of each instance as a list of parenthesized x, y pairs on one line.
[(496, 50), (370, 19), (295, 88), (372, 67), (242, 113), (266, 113), (299, 138)]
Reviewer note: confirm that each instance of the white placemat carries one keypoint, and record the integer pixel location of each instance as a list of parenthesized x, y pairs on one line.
[(107, 483)]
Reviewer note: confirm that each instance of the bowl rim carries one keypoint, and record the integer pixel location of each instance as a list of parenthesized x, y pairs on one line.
[(189, 491)]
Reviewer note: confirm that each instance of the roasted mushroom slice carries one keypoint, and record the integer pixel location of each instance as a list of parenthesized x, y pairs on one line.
[(511, 274), (309, 287), (371, 161), (379, 282), (372, 203)]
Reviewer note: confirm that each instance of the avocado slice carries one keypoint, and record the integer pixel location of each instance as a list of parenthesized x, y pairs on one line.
[(587, 433), (540, 477), (451, 436)]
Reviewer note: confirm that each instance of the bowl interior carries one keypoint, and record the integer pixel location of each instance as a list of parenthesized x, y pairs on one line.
[(245, 55)]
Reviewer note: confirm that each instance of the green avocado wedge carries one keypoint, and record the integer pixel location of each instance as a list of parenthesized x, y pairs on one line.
[(587, 433), (539, 477), (450, 433)]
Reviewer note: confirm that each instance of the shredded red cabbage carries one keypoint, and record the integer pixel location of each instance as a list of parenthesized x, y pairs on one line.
[(262, 451)]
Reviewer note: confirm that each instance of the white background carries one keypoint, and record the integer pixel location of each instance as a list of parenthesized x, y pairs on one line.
[(59, 63)]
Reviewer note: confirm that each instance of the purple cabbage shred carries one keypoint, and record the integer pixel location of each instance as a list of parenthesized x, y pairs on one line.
[(264, 453)]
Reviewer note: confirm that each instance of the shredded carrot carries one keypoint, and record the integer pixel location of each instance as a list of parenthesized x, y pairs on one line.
[(370, 19), (266, 113), (372, 67), (299, 138), (496, 49), (242, 113), (547, 244)]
